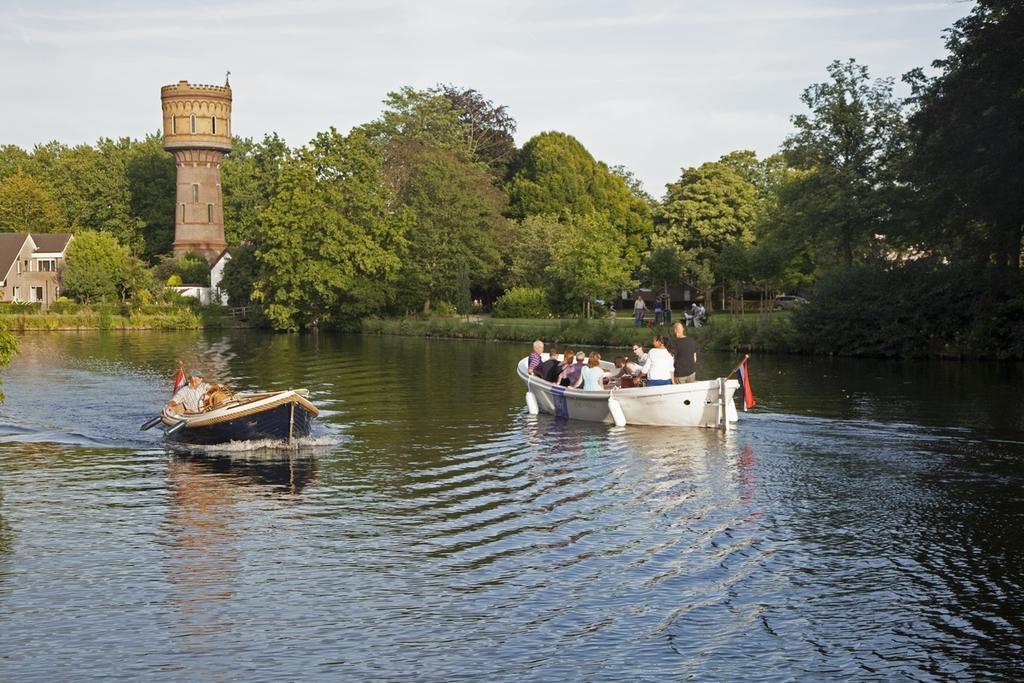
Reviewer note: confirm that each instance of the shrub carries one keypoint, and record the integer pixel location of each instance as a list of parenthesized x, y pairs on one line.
[(522, 302)]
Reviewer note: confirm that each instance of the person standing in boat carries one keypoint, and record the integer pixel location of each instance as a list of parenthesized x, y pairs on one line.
[(685, 351), (191, 398), (659, 366)]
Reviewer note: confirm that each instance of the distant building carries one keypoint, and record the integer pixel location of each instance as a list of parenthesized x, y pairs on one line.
[(217, 293), (30, 264), (197, 130)]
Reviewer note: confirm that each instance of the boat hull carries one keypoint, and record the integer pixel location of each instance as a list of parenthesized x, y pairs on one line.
[(695, 404), (283, 416)]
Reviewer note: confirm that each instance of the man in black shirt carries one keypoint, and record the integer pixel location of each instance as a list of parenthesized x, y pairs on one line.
[(685, 350), (550, 368)]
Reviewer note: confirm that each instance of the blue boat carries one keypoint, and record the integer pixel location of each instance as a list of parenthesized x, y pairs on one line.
[(276, 416)]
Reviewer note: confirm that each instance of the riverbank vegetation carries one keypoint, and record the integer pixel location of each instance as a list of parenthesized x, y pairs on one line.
[(69, 315), (899, 219), (724, 332)]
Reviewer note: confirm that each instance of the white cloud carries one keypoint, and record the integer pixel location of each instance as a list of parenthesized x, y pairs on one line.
[(652, 85)]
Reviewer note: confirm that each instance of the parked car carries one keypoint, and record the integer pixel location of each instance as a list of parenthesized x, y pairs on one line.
[(789, 301)]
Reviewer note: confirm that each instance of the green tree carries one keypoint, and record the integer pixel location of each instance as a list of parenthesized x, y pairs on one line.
[(152, 186), (423, 116), (90, 185), (14, 159), (534, 243), (553, 174), (710, 209), (96, 267), (851, 144), (968, 141), (589, 263), (329, 243), (249, 176), (455, 243), (26, 205)]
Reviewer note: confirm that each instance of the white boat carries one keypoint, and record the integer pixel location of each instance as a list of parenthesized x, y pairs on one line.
[(696, 404)]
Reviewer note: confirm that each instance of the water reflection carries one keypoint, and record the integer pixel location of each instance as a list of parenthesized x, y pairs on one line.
[(860, 525)]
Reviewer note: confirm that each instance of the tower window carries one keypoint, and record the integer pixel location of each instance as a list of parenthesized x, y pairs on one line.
[(213, 123), (209, 213), (174, 124), (183, 212), (193, 123), (195, 193)]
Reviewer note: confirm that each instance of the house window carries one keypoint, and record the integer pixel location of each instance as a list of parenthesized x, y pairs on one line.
[(193, 123), (213, 123), (195, 193), (35, 294), (174, 125), (17, 293), (19, 267), (209, 213), (46, 265)]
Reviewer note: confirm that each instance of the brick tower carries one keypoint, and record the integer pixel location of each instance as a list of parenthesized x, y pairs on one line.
[(197, 130)]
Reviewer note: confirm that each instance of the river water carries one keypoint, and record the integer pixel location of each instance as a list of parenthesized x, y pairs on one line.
[(863, 522)]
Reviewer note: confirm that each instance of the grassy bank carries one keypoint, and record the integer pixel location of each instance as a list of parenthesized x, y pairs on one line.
[(112, 317), (723, 332)]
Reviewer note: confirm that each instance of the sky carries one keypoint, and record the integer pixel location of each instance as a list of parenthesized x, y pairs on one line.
[(653, 85)]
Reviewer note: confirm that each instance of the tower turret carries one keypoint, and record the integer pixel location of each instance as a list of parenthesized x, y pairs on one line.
[(197, 130)]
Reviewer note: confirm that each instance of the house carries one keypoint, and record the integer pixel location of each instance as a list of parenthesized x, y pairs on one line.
[(216, 275), (30, 265)]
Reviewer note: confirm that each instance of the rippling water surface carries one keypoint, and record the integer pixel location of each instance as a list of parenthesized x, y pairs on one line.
[(864, 522)]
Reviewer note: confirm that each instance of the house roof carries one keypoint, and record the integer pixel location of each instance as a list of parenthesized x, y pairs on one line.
[(51, 242), (10, 246)]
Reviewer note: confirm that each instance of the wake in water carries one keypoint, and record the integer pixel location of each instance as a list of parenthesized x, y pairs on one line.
[(269, 448)]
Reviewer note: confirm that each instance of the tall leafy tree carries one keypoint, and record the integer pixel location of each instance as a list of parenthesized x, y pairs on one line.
[(459, 233), (489, 127), (968, 139), (851, 142), (152, 182), (553, 174), (26, 205), (249, 176), (96, 267), (710, 209), (329, 243), (589, 263)]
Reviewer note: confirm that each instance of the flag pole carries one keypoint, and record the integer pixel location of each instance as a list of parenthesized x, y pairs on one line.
[(746, 356)]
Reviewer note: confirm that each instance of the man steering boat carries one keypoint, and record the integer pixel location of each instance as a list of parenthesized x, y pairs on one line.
[(193, 396)]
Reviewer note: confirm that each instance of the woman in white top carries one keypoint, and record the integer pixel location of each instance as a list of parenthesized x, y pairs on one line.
[(660, 364)]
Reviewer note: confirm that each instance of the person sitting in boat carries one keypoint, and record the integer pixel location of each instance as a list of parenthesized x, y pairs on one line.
[(592, 376), (571, 373), (549, 369), (534, 361), (191, 398), (641, 355), (626, 371), (660, 364)]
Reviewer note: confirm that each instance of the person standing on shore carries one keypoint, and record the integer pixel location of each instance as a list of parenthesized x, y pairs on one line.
[(638, 311), (685, 351)]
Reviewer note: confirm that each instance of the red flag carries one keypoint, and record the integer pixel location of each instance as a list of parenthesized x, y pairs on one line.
[(179, 380), (744, 376)]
